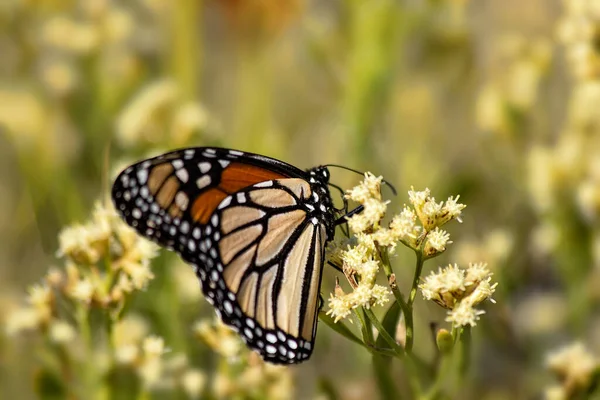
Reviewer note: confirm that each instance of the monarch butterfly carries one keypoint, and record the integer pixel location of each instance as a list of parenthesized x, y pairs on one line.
[(254, 229)]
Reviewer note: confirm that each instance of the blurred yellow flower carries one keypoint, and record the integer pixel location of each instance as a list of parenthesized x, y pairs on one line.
[(83, 290), (193, 382), (219, 337), (23, 319), (66, 34), (61, 332), (575, 367), (154, 346), (130, 330)]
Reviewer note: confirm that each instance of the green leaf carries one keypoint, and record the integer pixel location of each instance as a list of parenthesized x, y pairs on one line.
[(340, 328)]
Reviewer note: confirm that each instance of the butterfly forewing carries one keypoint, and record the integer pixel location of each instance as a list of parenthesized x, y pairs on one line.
[(255, 230), (163, 196)]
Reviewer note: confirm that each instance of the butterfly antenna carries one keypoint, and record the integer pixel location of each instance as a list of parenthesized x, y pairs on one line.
[(392, 188)]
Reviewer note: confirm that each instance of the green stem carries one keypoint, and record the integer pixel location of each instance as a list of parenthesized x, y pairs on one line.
[(417, 276), (86, 336), (391, 277), (408, 315), (384, 334), (367, 333), (464, 355)]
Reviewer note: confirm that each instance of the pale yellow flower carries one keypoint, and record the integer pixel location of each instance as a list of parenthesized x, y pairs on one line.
[(219, 337), (575, 366), (139, 273), (464, 314), (40, 297), (127, 354), (151, 372), (132, 329), (23, 319), (460, 290), (140, 120), (193, 382), (154, 346), (431, 213), (61, 332), (66, 34), (83, 290), (437, 240)]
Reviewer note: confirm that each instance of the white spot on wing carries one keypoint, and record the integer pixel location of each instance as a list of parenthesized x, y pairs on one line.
[(142, 175), (183, 175), (204, 167), (264, 184), (271, 338), (224, 163), (196, 233), (177, 164), (203, 182), (225, 202)]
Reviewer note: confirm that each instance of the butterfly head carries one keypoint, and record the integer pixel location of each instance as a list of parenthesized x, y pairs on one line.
[(320, 173)]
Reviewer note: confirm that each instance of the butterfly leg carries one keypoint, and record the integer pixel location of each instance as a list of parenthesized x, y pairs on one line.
[(342, 219)]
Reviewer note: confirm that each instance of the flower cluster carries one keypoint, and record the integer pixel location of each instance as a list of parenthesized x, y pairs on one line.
[(460, 290), (104, 261), (360, 265), (242, 373), (136, 350), (157, 109), (513, 89), (361, 259), (578, 30), (576, 368)]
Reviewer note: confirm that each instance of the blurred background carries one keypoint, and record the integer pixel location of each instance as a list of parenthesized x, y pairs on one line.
[(494, 100)]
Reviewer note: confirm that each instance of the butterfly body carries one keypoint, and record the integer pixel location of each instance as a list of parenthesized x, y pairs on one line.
[(253, 227)]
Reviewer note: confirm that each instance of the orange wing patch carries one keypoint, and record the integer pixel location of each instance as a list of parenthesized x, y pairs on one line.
[(206, 204), (238, 176), (234, 178)]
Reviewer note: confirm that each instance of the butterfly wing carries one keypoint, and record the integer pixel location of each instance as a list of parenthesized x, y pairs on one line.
[(163, 197), (244, 222), (260, 265)]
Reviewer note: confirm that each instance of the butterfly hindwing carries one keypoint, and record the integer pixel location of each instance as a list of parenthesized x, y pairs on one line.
[(260, 264)]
